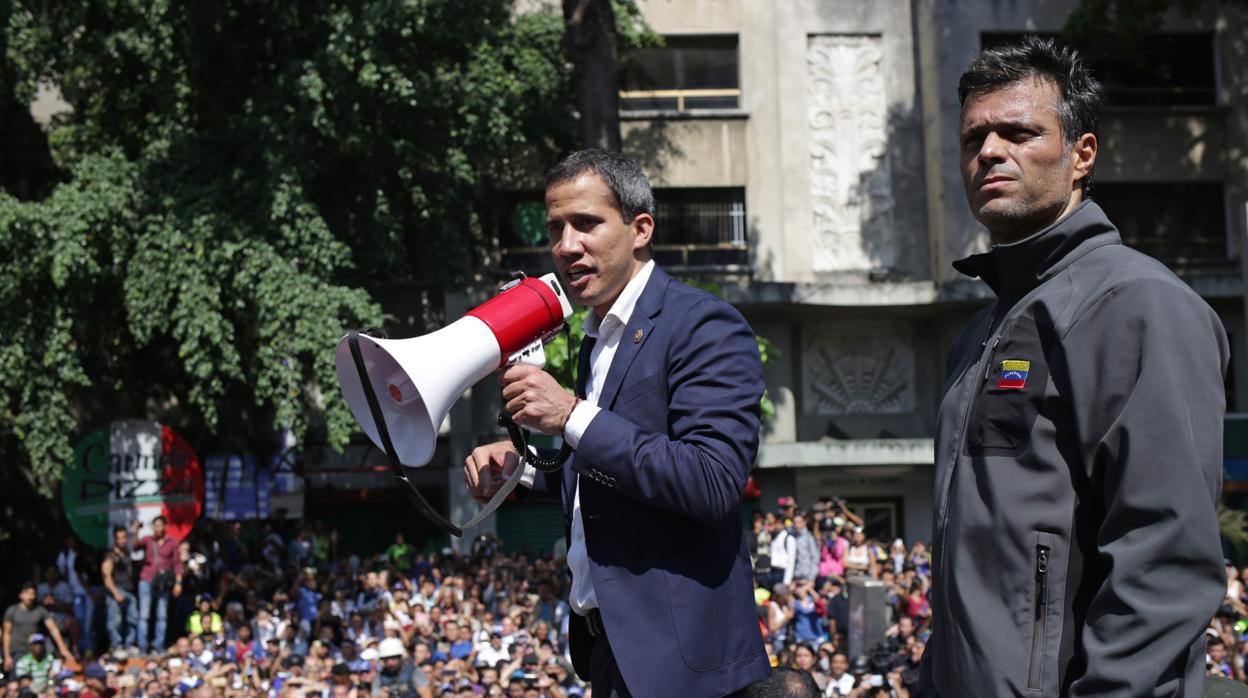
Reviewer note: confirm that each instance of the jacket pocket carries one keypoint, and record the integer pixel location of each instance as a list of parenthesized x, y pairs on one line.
[(1039, 611), (1008, 400)]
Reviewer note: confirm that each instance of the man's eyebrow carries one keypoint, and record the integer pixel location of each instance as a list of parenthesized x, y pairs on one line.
[(1003, 124), (578, 216)]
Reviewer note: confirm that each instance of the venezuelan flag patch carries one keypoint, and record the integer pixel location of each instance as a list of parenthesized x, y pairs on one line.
[(1014, 374)]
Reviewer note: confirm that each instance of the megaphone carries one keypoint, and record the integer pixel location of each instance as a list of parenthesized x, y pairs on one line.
[(400, 390)]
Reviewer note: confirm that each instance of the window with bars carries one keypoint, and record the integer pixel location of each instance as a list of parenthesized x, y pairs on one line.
[(701, 228), (1180, 223)]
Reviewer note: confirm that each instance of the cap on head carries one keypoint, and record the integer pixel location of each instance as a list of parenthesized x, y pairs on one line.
[(391, 647)]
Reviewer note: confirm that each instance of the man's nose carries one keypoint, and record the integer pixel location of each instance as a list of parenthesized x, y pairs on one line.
[(569, 243), (993, 149)]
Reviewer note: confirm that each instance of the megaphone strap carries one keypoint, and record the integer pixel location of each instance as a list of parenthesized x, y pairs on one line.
[(409, 489)]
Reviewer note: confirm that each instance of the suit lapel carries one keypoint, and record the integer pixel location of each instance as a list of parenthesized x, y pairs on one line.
[(635, 335)]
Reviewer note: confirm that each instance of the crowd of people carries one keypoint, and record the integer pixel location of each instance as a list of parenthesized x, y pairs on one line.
[(277, 609), (804, 562)]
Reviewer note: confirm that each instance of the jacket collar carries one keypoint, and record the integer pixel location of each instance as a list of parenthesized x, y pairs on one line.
[(1015, 269)]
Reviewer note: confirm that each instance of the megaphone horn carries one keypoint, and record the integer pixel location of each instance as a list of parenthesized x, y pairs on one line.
[(400, 390)]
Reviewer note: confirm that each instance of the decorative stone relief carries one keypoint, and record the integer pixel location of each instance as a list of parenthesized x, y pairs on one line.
[(850, 176), (857, 368)]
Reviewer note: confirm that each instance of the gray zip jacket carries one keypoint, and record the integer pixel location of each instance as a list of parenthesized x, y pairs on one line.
[(1078, 463)]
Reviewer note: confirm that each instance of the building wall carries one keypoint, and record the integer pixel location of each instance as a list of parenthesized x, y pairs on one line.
[(846, 143)]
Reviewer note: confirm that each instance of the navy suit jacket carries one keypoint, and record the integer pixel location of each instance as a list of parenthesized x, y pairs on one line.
[(663, 467)]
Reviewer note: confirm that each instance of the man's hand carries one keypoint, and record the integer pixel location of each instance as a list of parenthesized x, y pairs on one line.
[(488, 467), (534, 399), (118, 596), (177, 590), (8, 665)]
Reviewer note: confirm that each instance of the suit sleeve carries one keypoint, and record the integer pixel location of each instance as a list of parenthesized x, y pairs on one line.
[(1147, 363), (699, 468)]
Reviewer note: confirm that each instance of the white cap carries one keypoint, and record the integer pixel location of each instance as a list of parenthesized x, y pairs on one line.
[(391, 647)]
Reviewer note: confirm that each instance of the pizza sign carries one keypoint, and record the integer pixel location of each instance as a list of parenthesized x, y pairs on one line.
[(129, 471)]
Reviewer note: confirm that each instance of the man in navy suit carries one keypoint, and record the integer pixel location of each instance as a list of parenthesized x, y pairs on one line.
[(664, 429)]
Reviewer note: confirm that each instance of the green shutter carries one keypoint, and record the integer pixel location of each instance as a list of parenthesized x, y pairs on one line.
[(534, 525)]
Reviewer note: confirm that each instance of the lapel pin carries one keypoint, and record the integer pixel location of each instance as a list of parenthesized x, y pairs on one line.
[(637, 336)]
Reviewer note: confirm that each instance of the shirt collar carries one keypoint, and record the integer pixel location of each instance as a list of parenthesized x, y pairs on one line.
[(622, 309)]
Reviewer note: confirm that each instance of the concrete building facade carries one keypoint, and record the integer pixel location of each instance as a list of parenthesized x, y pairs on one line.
[(844, 143)]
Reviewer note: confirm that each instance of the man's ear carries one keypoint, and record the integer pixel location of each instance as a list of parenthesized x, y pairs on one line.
[(1084, 156), (643, 230)]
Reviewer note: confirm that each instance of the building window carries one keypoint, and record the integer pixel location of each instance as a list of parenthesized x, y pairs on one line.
[(1180, 223), (700, 228), (695, 229), (688, 72), (1164, 70)]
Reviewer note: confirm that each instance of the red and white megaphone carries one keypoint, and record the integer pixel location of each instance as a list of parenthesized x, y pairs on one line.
[(412, 383)]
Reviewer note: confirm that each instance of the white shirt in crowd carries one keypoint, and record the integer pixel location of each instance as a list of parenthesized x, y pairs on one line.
[(784, 554)]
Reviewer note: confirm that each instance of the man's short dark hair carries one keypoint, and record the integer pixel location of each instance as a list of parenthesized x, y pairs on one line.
[(784, 682), (119, 529), (1044, 58), (161, 519), (28, 585), (622, 175)]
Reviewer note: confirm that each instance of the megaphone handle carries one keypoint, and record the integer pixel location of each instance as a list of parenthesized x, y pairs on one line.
[(413, 494), (521, 444)]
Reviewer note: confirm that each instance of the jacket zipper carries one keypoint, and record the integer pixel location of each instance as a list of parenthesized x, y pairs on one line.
[(985, 358), (1041, 607)]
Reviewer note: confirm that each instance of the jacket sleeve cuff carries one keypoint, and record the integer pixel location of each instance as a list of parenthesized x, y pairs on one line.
[(578, 422)]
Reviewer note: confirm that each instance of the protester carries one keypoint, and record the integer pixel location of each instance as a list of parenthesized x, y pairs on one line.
[(23, 621), (664, 439), (1079, 440), (160, 579)]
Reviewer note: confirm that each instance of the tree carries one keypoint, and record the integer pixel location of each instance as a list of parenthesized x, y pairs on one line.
[(231, 174), (591, 43), (1130, 22)]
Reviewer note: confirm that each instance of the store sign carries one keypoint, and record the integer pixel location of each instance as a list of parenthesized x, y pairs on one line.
[(128, 471)]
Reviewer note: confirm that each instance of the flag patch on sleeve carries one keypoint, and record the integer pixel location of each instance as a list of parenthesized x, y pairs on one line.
[(1014, 374)]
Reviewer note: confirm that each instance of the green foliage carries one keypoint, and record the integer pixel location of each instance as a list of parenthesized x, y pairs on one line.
[(231, 173), (631, 27), (1128, 23), (1233, 526), (559, 362)]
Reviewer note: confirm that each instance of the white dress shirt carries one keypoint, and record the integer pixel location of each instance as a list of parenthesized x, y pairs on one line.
[(607, 331)]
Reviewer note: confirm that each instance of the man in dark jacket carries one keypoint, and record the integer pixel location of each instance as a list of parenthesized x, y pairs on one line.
[(664, 428), (1079, 453)]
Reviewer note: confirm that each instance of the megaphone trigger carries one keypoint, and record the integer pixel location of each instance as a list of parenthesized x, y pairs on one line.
[(533, 355)]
